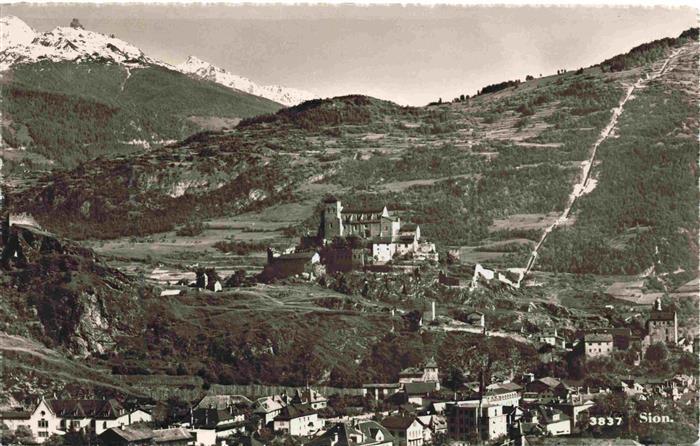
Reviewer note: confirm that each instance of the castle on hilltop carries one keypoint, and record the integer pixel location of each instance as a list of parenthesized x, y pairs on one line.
[(382, 233)]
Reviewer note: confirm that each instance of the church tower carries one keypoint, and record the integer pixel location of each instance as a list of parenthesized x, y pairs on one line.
[(332, 222)]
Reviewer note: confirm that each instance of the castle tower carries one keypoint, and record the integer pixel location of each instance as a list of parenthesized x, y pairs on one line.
[(331, 218)]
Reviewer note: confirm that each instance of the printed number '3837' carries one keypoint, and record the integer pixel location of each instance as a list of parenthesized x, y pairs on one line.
[(605, 421)]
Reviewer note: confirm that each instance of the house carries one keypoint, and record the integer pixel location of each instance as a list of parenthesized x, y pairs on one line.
[(95, 415), (381, 390), (426, 374), (552, 338), (476, 318), (223, 401), (406, 429), (56, 417), (143, 436), (432, 425), (208, 278), (211, 424), (42, 421), (662, 326), (359, 433), (598, 345), (310, 397), (417, 392), (267, 408), (573, 407), (298, 420), (545, 390), (281, 266), (546, 421), (472, 419)]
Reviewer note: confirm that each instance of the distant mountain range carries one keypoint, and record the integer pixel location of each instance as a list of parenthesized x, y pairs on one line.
[(20, 44), (205, 70)]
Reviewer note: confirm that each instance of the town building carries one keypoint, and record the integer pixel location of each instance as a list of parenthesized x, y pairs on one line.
[(551, 337), (360, 433), (426, 374), (662, 325), (288, 264), (547, 421), (546, 390), (267, 408), (476, 419), (598, 345), (211, 424), (297, 420), (310, 397), (144, 436), (57, 417), (406, 429)]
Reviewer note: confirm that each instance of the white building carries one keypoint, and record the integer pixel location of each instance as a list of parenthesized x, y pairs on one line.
[(598, 344), (298, 421)]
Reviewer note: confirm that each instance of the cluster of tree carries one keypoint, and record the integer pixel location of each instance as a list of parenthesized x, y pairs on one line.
[(648, 52), (493, 88)]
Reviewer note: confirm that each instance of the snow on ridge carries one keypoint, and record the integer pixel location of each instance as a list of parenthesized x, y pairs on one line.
[(63, 43), (204, 70), (13, 31), (20, 44)]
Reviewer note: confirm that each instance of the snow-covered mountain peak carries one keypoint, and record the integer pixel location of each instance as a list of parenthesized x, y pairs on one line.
[(63, 43), (20, 44), (13, 31), (204, 70)]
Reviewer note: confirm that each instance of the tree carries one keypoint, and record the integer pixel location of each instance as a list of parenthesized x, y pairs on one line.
[(455, 378), (656, 353), (529, 77)]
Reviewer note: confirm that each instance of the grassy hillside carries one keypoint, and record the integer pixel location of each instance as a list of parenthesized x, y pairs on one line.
[(71, 112)]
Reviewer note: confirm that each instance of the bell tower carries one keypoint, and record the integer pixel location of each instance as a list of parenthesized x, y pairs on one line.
[(332, 222)]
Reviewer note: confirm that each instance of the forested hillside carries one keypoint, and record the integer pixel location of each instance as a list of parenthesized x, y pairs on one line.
[(72, 112)]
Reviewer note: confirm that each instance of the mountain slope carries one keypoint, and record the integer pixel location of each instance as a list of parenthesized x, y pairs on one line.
[(204, 70), (71, 95)]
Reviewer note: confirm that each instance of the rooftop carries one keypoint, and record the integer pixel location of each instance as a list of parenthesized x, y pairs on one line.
[(598, 337)]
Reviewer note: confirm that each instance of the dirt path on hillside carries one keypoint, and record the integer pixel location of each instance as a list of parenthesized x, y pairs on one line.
[(587, 183)]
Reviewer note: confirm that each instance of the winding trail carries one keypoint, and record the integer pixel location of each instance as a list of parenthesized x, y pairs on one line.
[(586, 182)]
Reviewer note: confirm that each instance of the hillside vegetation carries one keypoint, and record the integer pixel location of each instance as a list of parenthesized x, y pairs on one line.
[(72, 112)]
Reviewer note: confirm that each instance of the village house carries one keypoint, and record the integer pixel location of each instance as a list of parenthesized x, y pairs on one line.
[(546, 390), (432, 425), (144, 436), (267, 408), (471, 419), (297, 420), (211, 424), (406, 429), (548, 421), (310, 397), (573, 407), (283, 265), (598, 345), (223, 402), (381, 391), (551, 337), (426, 374), (359, 433), (56, 417)]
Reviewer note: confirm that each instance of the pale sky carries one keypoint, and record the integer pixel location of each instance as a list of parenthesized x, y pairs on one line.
[(411, 55)]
